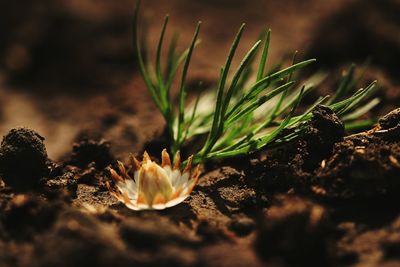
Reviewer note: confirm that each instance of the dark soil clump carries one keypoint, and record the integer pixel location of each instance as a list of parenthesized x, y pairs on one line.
[(90, 151), (295, 232), (364, 165), (23, 159), (324, 131), (292, 166), (64, 186), (361, 166), (390, 120)]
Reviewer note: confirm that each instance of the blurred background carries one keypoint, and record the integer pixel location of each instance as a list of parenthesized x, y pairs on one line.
[(67, 68)]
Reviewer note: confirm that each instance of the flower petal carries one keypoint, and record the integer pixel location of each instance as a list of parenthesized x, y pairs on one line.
[(146, 157), (134, 162), (165, 160), (188, 165), (153, 186), (174, 177), (182, 179), (175, 201), (177, 160)]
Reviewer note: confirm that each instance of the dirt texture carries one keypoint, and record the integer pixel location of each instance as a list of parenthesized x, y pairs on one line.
[(67, 73)]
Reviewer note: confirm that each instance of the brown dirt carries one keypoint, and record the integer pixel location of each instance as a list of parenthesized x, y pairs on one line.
[(67, 71)]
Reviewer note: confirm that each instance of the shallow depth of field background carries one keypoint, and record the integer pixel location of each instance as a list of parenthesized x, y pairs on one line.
[(67, 69)]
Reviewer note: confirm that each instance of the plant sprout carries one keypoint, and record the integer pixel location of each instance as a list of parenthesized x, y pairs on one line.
[(252, 106)]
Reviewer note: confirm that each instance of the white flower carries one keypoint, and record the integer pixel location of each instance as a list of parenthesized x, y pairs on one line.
[(154, 186)]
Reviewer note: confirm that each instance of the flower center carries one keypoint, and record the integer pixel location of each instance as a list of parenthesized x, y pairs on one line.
[(154, 182)]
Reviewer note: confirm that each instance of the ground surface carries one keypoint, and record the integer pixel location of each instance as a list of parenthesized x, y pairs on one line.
[(67, 71)]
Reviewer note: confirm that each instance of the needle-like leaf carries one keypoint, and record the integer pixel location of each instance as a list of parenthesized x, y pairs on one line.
[(242, 114)]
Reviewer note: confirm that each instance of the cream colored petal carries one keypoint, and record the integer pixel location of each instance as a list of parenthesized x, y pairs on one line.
[(188, 187), (183, 179), (159, 206), (133, 207), (175, 176), (168, 170), (146, 158), (125, 189), (132, 187), (136, 177), (175, 201)]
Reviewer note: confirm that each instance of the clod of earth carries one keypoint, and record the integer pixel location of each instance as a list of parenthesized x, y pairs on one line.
[(389, 125), (23, 159), (390, 120), (297, 231), (88, 151)]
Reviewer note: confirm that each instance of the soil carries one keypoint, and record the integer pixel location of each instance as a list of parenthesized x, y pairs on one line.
[(329, 198)]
